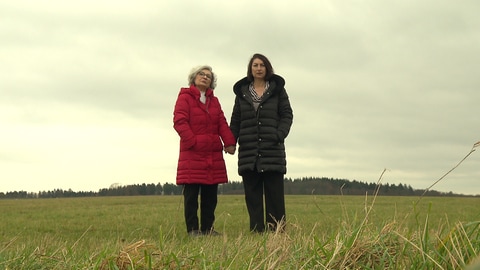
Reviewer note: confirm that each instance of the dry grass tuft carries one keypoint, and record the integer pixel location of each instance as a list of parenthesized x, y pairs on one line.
[(369, 250), (278, 245), (129, 256)]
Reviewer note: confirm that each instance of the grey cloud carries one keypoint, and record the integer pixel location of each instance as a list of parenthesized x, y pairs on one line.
[(373, 85)]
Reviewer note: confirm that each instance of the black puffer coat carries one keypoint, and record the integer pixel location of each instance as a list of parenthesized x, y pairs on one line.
[(261, 134)]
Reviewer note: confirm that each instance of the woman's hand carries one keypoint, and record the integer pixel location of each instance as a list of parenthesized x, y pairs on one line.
[(229, 149)]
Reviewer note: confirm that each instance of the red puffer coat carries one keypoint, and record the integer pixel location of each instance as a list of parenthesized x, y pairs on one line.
[(202, 128)]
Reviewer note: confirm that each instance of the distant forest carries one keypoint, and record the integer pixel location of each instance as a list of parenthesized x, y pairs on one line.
[(301, 186)]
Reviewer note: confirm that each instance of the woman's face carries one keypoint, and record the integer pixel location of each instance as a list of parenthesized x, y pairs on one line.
[(258, 69), (203, 80)]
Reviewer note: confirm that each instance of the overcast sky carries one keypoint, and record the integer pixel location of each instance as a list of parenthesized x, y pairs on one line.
[(87, 88)]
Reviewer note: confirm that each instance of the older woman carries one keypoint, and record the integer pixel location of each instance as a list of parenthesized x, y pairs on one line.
[(261, 120), (204, 133)]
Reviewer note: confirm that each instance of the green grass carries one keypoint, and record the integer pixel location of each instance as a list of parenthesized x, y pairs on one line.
[(323, 232)]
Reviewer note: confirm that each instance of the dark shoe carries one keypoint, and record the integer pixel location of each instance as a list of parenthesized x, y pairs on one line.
[(195, 233), (211, 233)]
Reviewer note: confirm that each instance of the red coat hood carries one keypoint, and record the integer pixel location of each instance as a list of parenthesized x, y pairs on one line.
[(193, 90)]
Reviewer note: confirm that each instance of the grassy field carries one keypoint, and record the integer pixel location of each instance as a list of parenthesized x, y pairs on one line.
[(323, 232)]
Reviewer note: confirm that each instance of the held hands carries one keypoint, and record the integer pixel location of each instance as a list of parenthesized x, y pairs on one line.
[(229, 149)]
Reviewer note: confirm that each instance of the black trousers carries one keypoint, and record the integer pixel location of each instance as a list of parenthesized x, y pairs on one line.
[(208, 203), (256, 184)]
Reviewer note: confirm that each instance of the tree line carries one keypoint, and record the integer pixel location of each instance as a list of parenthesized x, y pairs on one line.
[(298, 186)]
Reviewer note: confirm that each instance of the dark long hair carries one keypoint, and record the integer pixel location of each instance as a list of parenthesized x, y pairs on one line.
[(266, 62)]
